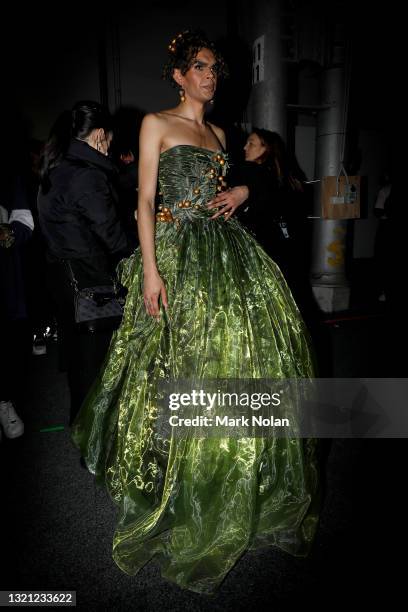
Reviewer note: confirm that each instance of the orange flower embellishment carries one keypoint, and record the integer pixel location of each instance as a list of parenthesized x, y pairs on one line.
[(165, 215)]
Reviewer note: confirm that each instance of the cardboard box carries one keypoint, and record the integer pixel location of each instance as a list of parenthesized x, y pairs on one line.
[(344, 205)]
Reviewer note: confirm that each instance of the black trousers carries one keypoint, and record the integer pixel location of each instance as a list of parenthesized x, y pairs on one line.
[(81, 354), (86, 353)]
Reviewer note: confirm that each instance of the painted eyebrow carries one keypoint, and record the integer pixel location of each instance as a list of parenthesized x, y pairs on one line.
[(197, 61)]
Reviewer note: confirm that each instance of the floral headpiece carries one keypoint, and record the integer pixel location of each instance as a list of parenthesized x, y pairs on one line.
[(172, 45)]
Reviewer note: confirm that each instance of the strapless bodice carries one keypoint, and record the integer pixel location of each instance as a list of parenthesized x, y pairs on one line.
[(189, 176)]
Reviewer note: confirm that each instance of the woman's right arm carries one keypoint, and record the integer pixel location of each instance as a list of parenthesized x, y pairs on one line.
[(149, 154)]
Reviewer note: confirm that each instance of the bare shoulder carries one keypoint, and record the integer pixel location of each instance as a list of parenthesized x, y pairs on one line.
[(152, 129), (219, 132), (152, 120), (161, 121)]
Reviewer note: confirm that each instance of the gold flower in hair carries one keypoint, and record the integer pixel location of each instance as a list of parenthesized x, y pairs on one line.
[(172, 45)]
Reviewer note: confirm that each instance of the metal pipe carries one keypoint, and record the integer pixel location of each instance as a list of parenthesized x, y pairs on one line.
[(329, 240)]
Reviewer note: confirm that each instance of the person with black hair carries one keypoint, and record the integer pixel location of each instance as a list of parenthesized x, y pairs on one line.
[(204, 302), (79, 221)]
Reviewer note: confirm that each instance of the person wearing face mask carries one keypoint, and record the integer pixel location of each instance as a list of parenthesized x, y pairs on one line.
[(78, 218)]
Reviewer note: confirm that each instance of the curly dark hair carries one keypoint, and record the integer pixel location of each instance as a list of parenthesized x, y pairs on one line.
[(184, 48)]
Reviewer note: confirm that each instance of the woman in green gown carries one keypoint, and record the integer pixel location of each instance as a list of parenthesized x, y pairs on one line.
[(204, 301)]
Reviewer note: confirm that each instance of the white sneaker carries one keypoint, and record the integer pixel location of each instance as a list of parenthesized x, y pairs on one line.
[(11, 423), (39, 346)]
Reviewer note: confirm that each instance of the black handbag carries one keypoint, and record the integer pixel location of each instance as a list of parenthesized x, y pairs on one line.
[(97, 308)]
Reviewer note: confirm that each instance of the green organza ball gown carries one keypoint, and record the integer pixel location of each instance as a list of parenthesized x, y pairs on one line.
[(196, 505)]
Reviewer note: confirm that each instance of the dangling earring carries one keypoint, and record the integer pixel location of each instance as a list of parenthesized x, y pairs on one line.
[(182, 96), (212, 101)]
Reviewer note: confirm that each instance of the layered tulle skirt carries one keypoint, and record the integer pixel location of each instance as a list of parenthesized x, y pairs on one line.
[(196, 504)]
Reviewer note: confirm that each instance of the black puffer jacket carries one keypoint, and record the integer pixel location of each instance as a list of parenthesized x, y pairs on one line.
[(78, 215)]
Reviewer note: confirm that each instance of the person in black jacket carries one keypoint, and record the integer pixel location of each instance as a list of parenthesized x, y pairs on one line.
[(79, 220), (276, 210)]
